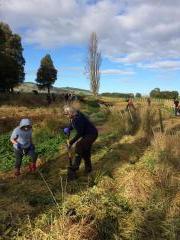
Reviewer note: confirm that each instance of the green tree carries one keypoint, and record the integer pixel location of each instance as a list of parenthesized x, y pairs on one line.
[(11, 59), (46, 74), (156, 93), (138, 95), (93, 64)]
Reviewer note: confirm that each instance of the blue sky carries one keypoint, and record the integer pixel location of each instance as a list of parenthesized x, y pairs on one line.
[(139, 41)]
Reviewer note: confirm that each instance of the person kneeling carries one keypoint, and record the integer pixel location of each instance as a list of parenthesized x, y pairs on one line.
[(21, 139), (84, 139)]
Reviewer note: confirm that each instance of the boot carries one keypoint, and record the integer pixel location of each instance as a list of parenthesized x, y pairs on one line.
[(88, 166), (71, 174), (32, 167), (17, 172), (88, 171)]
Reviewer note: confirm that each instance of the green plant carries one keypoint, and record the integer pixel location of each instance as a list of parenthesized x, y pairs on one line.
[(6, 153), (47, 147)]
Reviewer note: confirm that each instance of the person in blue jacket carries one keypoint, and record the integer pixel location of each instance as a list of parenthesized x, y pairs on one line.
[(86, 134), (21, 139)]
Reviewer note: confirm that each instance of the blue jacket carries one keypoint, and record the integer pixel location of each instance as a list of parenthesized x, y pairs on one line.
[(83, 126)]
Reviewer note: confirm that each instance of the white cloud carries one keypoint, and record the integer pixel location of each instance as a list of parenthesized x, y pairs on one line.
[(130, 32), (132, 57), (167, 65), (117, 72)]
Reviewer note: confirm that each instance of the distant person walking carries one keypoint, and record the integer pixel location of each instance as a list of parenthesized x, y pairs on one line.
[(66, 98), (84, 139), (149, 101), (21, 139), (48, 99), (176, 106), (53, 97), (130, 104)]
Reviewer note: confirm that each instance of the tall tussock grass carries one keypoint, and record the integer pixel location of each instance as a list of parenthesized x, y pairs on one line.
[(123, 121), (167, 146), (141, 121)]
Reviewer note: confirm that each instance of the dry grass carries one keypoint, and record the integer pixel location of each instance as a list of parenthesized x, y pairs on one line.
[(174, 207), (63, 228), (10, 116), (167, 146), (136, 185)]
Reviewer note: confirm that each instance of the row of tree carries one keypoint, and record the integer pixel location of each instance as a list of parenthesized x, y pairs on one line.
[(12, 63), (119, 95), (157, 93)]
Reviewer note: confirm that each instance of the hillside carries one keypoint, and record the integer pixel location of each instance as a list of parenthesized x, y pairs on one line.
[(29, 87)]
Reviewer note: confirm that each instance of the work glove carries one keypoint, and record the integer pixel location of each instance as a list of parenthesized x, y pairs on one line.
[(67, 131), (19, 146)]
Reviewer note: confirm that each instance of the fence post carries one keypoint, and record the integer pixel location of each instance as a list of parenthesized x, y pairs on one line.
[(161, 121)]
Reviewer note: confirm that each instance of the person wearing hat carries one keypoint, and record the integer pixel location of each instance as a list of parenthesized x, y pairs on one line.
[(21, 139), (84, 138)]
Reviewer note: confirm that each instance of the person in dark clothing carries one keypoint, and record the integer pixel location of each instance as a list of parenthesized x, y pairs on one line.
[(48, 99), (149, 101), (66, 98), (84, 138), (130, 104), (176, 106), (53, 97)]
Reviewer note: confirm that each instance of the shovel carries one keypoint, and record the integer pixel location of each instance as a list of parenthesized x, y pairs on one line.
[(71, 174), (69, 153)]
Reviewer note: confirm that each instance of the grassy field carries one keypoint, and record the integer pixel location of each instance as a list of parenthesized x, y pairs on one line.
[(132, 194)]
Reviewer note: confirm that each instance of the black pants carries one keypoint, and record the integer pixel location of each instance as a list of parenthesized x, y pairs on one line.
[(83, 151), (176, 110), (20, 153)]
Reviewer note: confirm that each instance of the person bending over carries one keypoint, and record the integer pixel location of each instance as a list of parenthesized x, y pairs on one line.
[(21, 139), (84, 139)]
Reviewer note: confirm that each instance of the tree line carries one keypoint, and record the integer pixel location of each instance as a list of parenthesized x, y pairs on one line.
[(119, 95), (157, 93)]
